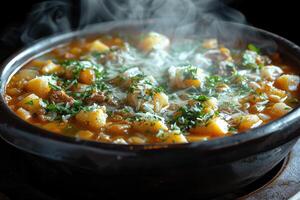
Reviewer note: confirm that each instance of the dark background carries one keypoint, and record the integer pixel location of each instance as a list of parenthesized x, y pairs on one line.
[(280, 17)]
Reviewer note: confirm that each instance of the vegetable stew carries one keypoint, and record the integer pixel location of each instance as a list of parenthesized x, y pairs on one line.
[(150, 89)]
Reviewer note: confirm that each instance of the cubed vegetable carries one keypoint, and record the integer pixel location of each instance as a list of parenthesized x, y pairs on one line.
[(39, 86), (85, 134), (280, 109), (214, 127), (288, 82), (184, 77), (52, 68), (94, 119), (56, 127), (87, 76), (154, 41), (117, 129), (26, 74), (210, 43), (149, 126), (246, 122), (98, 46), (136, 140), (32, 103), (173, 137), (160, 100), (24, 114)]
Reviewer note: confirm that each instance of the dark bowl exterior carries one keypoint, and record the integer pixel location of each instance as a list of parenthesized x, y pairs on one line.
[(202, 168)]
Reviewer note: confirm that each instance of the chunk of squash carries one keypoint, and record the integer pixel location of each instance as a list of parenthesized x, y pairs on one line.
[(280, 109), (249, 121), (149, 126), (92, 119), (26, 74), (85, 134), (288, 82), (136, 140), (117, 129), (39, 86), (173, 137), (215, 127), (98, 46), (154, 41), (160, 100), (87, 76), (31, 103), (24, 114), (52, 68), (56, 127)]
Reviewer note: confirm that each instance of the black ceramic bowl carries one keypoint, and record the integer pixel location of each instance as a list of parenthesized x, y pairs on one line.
[(206, 169)]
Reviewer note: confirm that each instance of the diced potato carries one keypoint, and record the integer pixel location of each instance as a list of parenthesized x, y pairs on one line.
[(39, 86), (13, 91), (119, 141), (56, 127), (85, 134), (288, 82), (154, 41), (24, 114), (87, 76), (51, 68), (149, 126), (211, 103), (249, 121), (32, 103), (256, 98), (191, 83), (271, 72), (184, 77), (275, 98), (93, 119), (225, 52), (38, 63), (174, 137), (75, 50), (98, 46), (210, 43), (271, 90), (195, 138), (117, 129), (26, 74), (136, 140), (215, 127), (280, 109), (160, 100)]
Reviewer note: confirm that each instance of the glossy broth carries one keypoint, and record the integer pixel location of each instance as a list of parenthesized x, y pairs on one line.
[(150, 89)]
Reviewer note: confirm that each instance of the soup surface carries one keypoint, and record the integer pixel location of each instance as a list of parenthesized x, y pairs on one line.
[(150, 89)]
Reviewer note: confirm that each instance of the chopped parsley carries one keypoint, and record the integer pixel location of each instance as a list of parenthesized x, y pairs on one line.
[(29, 103), (252, 47), (189, 116)]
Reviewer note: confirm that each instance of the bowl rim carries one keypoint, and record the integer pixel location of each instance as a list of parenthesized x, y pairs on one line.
[(251, 135)]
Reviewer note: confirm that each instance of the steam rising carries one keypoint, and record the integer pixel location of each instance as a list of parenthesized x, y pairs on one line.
[(47, 18), (51, 17)]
